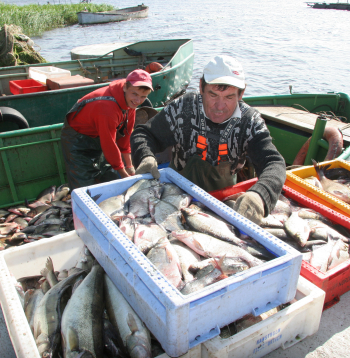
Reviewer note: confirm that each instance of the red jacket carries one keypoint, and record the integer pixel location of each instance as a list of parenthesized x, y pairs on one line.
[(101, 119)]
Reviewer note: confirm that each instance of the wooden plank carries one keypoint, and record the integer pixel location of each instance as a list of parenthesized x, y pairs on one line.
[(299, 119)]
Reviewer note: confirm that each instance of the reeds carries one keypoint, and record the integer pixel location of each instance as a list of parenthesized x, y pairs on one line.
[(36, 19)]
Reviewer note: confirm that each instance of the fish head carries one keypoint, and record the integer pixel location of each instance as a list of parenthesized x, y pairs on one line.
[(342, 195), (189, 212), (137, 346)]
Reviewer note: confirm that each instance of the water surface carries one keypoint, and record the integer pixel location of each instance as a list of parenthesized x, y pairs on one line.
[(279, 42)]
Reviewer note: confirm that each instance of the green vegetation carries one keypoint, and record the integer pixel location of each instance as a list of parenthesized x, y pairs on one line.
[(36, 19)]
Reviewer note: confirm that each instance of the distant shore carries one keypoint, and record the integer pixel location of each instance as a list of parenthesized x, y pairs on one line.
[(36, 19)]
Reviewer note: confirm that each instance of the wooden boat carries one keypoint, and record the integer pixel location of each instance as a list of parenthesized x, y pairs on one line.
[(334, 6), (128, 13), (50, 107)]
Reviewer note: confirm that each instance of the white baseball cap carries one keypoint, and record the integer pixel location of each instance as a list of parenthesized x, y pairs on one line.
[(224, 70)]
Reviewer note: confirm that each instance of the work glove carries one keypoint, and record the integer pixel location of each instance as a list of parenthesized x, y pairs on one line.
[(130, 170), (251, 206), (148, 165)]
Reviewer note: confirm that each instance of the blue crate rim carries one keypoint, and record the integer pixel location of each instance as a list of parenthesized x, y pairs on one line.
[(174, 294)]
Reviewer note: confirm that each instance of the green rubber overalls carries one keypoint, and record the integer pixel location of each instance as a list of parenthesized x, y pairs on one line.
[(83, 156)]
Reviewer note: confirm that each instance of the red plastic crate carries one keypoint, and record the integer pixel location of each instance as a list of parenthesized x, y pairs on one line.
[(335, 282), (26, 86)]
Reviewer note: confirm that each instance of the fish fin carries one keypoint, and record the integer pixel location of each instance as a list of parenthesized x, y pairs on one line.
[(198, 245), (44, 271), (49, 264), (132, 323), (317, 168), (72, 342)]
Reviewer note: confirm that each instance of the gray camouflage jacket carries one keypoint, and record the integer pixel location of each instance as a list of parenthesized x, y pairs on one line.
[(177, 125)]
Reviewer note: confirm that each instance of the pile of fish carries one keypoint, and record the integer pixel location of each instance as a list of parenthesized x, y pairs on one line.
[(189, 244), (79, 312), (323, 244), (49, 215), (334, 181)]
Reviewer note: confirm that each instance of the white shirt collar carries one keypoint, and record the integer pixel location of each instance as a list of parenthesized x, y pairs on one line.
[(236, 114)]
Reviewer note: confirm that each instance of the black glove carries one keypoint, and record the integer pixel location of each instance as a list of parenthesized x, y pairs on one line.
[(251, 206)]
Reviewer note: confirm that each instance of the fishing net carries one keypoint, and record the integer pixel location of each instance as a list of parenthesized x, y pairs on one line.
[(16, 48)]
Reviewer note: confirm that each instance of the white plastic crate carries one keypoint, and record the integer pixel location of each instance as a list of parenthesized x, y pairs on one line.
[(284, 329), (42, 73), (65, 251), (181, 322)]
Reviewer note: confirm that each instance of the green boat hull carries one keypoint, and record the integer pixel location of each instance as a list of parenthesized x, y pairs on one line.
[(31, 159), (50, 107)]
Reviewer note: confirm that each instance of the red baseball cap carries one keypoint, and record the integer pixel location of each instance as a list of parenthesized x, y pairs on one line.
[(140, 78)]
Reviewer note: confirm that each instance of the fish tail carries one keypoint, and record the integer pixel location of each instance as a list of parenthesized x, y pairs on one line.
[(49, 264), (319, 171), (44, 272), (132, 323)]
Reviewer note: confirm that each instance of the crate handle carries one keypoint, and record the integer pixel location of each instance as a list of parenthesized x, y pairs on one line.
[(204, 337)]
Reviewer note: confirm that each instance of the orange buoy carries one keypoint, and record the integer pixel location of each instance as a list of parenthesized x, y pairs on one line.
[(153, 67), (335, 144)]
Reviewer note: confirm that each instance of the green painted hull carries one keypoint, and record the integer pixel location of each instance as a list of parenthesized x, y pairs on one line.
[(289, 140), (31, 159), (50, 107)]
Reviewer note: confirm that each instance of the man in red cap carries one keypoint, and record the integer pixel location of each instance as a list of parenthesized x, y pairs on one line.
[(96, 133)]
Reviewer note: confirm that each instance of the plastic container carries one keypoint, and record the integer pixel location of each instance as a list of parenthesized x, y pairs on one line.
[(68, 82), (181, 322), (334, 282), (42, 73), (295, 181), (26, 86), (65, 251), (283, 329)]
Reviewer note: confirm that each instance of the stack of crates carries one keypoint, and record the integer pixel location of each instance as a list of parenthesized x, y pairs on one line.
[(182, 322)]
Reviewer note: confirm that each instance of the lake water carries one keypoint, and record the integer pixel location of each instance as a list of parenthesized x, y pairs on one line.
[(279, 42)]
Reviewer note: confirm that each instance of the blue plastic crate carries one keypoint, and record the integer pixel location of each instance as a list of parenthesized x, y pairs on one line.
[(181, 322)]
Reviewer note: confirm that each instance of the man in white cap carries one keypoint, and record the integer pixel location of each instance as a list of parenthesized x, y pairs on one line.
[(211, 134)]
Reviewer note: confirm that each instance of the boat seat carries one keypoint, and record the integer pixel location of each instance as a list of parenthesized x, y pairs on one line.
[(298, 118)]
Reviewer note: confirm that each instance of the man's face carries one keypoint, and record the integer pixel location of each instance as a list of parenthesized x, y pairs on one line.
[(134, 96), (220, 105)]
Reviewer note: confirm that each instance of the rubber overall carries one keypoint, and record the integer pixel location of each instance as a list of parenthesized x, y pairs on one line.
[(84, 159), (201, 172)]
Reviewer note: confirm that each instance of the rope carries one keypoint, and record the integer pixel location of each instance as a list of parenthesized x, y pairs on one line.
[(85, 71)]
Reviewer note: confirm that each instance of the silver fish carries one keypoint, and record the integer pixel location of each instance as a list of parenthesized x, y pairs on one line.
[(179, 201), (82, 318), (339, 254), (165, 214), (139, 206), (207, 224), (165, 258), (147, 236), (48, 272), (197, 284), (47, 317), (187, 257), (298, 229), (140, 185), (228, 265), (127, 227), (171, 189), (135, 337), (113, 206), (340, 191), (61, 192), (209, 246), (32, 299)]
